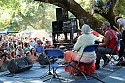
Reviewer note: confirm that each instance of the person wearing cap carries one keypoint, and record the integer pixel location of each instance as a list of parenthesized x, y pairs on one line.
[(86, 38), (39, 47), (121, 22), (106, 47)]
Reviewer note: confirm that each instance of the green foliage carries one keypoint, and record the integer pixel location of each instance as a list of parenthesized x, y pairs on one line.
[(1, 23), (85, 4), (23, 14), (120, 8)]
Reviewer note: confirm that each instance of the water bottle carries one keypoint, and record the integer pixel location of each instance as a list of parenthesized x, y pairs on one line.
[(111, 66)]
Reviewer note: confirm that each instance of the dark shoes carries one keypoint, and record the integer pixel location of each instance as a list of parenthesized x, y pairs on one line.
[(97, 67), (105, 63), (97, 64), (121, 63)]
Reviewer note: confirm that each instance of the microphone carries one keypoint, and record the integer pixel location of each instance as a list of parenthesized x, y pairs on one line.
[(98, 29)]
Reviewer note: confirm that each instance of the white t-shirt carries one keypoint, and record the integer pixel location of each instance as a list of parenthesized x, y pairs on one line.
[(122, 21)]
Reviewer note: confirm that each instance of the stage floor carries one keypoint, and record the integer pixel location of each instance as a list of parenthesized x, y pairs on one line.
[(117, 75)]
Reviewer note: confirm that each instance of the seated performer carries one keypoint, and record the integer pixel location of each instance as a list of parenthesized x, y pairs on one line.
[(109, 43), (83, 40)]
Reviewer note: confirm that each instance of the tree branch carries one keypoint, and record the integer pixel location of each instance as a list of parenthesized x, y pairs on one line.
[(76, 10)]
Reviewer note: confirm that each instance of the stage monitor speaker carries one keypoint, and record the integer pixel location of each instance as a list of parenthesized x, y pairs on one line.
[(19, 65), (57, 26), (43, 60), (61, 14)]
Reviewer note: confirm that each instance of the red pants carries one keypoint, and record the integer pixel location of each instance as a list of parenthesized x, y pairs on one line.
[(84, 67)]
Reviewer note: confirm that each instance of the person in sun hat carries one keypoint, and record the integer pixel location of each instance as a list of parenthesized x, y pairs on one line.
[(86, 38)]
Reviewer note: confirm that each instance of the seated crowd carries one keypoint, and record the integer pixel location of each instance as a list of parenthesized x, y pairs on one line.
[(14, 49)]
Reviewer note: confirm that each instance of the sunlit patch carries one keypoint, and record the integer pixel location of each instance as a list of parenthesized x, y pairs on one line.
[(118, 78)]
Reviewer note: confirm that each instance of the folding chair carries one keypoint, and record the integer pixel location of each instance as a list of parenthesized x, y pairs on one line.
[(54, 52), (112, 59), (88, 48)]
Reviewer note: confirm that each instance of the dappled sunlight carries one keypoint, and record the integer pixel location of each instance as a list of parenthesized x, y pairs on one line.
[(117, 78), (5, 15)]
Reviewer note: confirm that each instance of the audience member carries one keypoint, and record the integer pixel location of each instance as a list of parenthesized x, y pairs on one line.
[(32, 57), (39, 48), (108, 3), (4, 61), (2, 48), (26, 47), (32, 42), (33, 52), (47, 44), (102, 6), (19, 51), (9, 47), (44, 41), (13, 54), (14, 44)]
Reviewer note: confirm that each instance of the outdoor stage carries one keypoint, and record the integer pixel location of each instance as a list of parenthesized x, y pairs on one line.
[(34, 76)]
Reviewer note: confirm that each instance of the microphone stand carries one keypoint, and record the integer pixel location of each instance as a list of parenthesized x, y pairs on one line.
[(49, 71)]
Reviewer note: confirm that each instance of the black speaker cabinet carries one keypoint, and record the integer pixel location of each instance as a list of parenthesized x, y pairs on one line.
[(43, 60), (19, 65), (57, 26), (61, 14)]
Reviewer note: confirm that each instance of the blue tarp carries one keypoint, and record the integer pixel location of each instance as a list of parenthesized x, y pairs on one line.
[(7, 31)]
